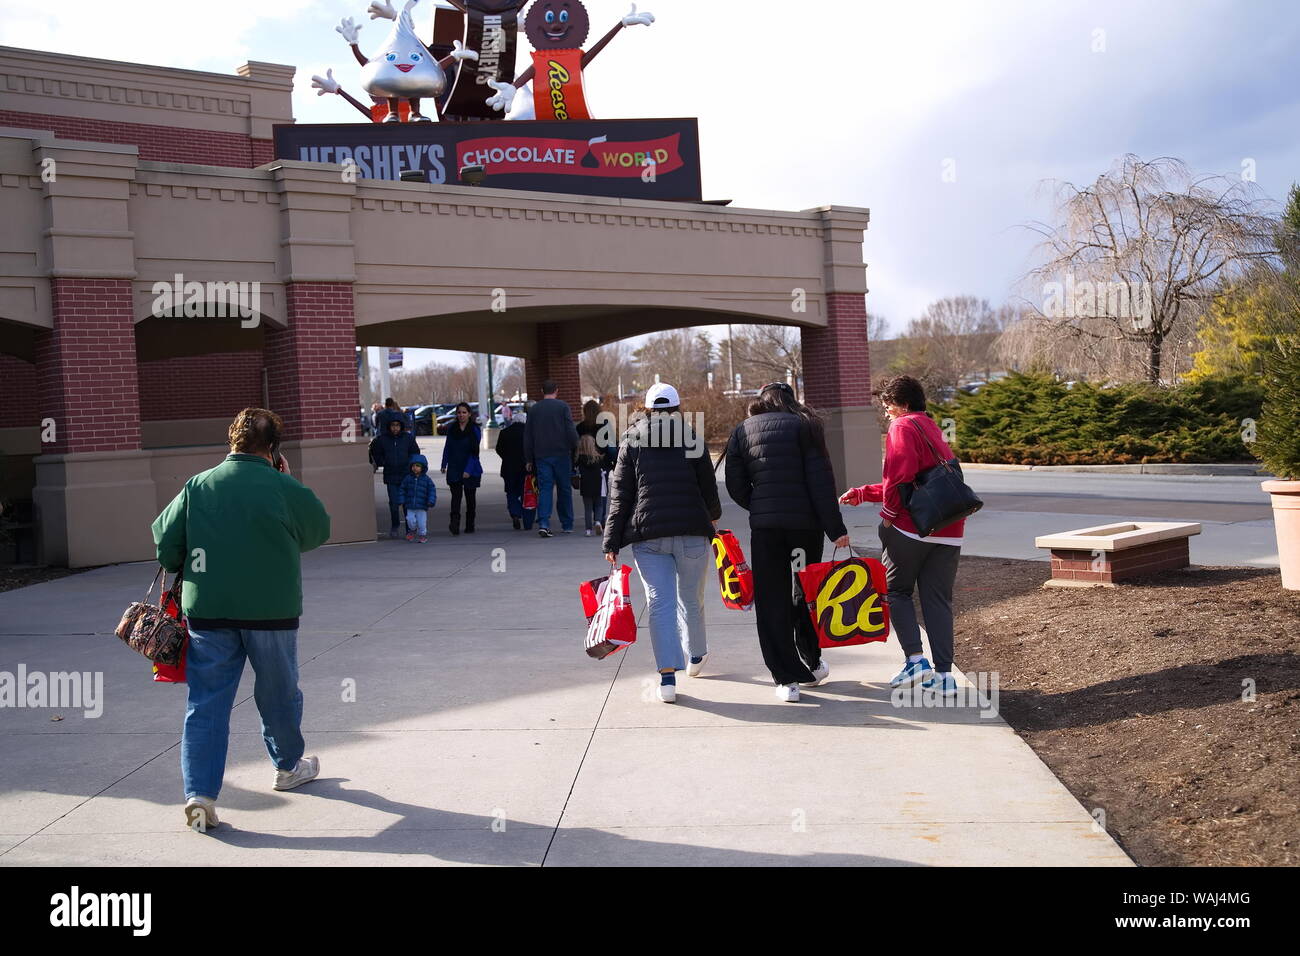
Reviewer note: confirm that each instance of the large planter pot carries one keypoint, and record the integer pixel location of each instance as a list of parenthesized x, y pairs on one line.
[(1286, 521)]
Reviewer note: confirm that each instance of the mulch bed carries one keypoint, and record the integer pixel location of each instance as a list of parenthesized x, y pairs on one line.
[(1133, 696), (20, 575)]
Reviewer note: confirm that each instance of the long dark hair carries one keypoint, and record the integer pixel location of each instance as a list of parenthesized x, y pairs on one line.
[(779, 397)]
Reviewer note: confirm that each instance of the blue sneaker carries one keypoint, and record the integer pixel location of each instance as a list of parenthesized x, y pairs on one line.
[(913, 673), (944, 684)]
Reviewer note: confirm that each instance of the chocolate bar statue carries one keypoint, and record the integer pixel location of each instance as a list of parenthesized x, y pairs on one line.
[(557, 30)]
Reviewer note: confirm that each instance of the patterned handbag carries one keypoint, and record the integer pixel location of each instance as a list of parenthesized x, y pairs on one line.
[(149, 629)]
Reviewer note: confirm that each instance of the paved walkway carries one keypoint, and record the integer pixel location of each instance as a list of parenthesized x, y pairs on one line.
[(479, 733)]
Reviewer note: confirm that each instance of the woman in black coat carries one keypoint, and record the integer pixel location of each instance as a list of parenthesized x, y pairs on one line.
[(460, 463), (510, 447), (663, 501), (778, 469)]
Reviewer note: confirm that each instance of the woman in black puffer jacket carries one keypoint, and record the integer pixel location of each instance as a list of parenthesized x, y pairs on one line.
[(663, 501), (779, 471)]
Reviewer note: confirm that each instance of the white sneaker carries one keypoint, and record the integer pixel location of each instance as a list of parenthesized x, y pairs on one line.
[(820, 673), (305, 772), (587, 533), (693, 670), (201, 814), (788, 693), (668, 693)]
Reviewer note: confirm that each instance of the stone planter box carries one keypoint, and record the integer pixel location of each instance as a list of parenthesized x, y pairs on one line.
[(1110, 553)]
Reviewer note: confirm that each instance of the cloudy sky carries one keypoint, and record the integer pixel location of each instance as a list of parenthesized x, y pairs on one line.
[(866, 103)]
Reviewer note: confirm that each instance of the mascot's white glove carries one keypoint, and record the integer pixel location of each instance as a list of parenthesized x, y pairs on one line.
[(382, 11), (349, 30), (504, 96), (635, 19), (460, 53), (325, 84)]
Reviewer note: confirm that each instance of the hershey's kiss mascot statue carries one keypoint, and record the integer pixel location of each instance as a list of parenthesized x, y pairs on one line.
[(402, 72)]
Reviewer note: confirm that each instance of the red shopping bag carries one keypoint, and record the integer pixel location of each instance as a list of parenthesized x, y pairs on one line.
[(611, 624), (846, 601), (530, 492), (168, 673), (735, 578)]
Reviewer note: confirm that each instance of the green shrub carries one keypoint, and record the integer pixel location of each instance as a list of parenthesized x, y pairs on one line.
[(1036, 420), (1277, 444)]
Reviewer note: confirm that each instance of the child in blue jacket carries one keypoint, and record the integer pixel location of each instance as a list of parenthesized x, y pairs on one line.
[(418, 494)]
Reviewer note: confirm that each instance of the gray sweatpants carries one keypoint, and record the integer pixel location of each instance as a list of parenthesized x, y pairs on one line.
[(931, 569)]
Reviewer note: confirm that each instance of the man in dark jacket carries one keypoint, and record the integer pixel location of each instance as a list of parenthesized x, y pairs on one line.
[(236, 531), (779, 471), (550, 436), (392, 452)]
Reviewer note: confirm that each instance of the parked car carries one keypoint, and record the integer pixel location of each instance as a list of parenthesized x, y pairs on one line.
[(424, 419)]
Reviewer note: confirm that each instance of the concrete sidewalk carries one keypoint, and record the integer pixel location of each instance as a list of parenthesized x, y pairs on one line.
[(481, 734)]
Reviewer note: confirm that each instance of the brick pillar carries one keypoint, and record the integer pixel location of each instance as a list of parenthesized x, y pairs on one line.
[(311, 365), (550, 363), (312, 384), (86, 370), (837, 382), (94, 494), (836, 359)]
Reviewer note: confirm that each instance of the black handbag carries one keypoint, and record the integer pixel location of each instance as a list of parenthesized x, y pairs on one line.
[(938, 496)]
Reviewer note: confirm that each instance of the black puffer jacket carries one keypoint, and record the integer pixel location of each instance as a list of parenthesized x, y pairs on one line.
[(658, 489), (777, 471)]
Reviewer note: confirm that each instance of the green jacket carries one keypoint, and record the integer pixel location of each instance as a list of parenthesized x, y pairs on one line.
[(251, 522)]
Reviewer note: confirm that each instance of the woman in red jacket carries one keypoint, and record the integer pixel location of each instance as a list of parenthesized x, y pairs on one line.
[(912, 562)]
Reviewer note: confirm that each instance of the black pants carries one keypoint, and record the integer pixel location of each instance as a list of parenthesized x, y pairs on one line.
[(785, 633), (458, 489), (912, 565)]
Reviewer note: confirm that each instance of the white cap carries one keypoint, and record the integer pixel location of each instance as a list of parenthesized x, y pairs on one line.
[(661, 395)]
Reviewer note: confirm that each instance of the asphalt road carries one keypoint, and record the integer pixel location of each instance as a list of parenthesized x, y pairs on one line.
[(1234, 513)]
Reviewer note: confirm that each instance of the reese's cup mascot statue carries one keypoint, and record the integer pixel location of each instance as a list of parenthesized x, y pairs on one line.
[(557, 29), (400, 74)]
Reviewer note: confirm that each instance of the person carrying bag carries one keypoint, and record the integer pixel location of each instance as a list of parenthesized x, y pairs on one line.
[(922, 554)]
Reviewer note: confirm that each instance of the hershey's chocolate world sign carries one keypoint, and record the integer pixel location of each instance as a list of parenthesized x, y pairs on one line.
[(627, 158)]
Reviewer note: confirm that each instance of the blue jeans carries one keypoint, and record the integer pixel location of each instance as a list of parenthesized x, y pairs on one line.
[(394, 503), (674, 572), (213, 666), (554, 472), (417, 521)]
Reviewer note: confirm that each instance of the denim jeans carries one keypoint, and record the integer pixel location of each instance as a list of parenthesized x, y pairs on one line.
[(554, 472), (213, 666), (674, 572), (394, 503), (417, 521)]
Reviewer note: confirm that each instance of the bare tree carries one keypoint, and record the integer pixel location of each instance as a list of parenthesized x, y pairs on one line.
[(950, 341), (604, 367), (682, 357), (1130, 256), (766, 353)]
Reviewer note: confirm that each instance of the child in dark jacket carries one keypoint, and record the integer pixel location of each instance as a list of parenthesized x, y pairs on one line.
[(592, 466), (418, 495)]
